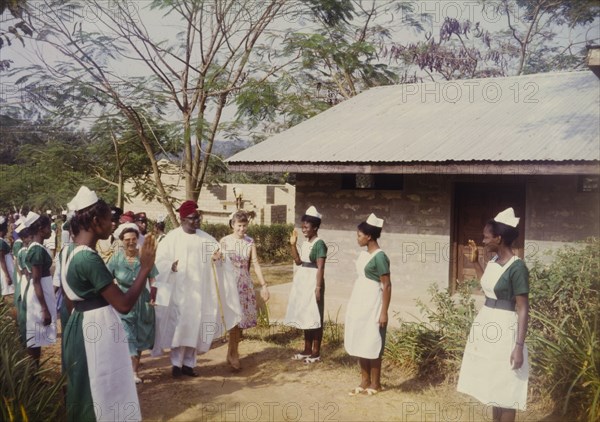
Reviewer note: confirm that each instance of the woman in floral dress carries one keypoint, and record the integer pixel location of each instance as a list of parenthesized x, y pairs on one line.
[(239, 251)]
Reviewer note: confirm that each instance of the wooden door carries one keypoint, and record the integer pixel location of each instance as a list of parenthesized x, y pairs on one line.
[(474, 205)]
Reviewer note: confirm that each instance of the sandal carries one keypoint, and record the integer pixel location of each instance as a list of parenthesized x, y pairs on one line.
[(356, 391), (371, 391), (312, 360), (300, 356)]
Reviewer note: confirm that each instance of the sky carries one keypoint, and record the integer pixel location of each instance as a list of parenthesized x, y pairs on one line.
[(166, 27)]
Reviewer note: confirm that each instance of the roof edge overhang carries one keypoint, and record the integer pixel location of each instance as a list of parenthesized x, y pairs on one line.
[(447, 167)]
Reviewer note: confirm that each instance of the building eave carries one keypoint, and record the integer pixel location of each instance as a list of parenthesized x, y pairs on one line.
[(483, 168)]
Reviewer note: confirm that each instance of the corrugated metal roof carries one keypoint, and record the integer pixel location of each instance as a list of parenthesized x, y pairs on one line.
[(543, 117)]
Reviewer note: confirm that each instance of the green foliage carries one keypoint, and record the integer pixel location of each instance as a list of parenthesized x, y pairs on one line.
[(433, 348), (571, 12), (272, 242), (332, 12), (25, 391), (218, 231), (45, 165), (564, 331)]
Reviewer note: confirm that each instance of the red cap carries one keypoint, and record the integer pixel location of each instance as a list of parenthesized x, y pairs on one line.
[(187, 208), (127, 217)]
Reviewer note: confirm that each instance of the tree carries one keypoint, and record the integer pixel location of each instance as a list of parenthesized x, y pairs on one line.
[(529, 44), (17, 27), (337, 60), (463, 50), (532, 25), (119, 157), (46, 164), (193, 77)]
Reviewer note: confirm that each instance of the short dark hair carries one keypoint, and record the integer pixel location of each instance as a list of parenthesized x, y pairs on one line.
[(116, 213), (129, 230), (25, 232), (506, 232), (38, 224), (160, 225), (369, 230), (241, 216), (82, 219), (314, 221)]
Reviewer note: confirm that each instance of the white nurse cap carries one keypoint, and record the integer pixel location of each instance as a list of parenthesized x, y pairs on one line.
[(374, 221), (312, 211), (507, 217), (84, 198)]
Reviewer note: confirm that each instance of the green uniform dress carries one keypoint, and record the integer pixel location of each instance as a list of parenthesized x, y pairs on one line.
[(363, 337), (139, 323), (486, 372), (100, 382), (23, 288), (17, 245), (303, 310), (38, 334)]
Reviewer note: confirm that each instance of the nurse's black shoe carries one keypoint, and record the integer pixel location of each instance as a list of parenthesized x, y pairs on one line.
[(186, 370)]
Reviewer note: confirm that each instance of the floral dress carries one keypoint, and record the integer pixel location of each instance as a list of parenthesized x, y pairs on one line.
[(237, 254)]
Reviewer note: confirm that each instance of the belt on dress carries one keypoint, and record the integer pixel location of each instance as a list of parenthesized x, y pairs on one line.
[(504, 304), (309, 264), (90, 304)]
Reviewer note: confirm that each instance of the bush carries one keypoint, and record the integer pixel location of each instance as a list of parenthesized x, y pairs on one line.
[(272, 242), (433, 348), (564, 331), (25, 392)]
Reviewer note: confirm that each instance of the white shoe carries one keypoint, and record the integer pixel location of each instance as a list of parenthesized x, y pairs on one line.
[(137, 379)]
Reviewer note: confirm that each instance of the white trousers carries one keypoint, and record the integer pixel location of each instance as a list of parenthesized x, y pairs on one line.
[(183, 356)]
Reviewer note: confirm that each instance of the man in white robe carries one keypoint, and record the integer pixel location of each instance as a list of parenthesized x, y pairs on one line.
[(192, 305)]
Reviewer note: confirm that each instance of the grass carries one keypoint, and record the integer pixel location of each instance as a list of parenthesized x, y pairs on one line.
[(275, 274)]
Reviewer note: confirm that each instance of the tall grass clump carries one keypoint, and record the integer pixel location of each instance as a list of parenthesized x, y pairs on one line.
[(564, 332), (26, 393), (432, 348)]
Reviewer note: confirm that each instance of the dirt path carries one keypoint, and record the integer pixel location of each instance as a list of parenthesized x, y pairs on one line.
[(272, 387)]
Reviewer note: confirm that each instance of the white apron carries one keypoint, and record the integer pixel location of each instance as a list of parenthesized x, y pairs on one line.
[(303, 311), (4, 287), (107, 353), (37, 334), (361, 330), (486, 372)]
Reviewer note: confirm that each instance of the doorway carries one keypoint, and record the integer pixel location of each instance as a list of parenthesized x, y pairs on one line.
[(474, 205)]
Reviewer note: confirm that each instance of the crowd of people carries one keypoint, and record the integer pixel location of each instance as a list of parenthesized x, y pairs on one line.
[(183, 289)]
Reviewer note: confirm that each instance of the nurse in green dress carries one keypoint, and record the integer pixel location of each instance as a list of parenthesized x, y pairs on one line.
[(39, 296), (23, 280), (16, 247), (307, 297), (100, 382), (367, 312), (495, 368), (138, 323)]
